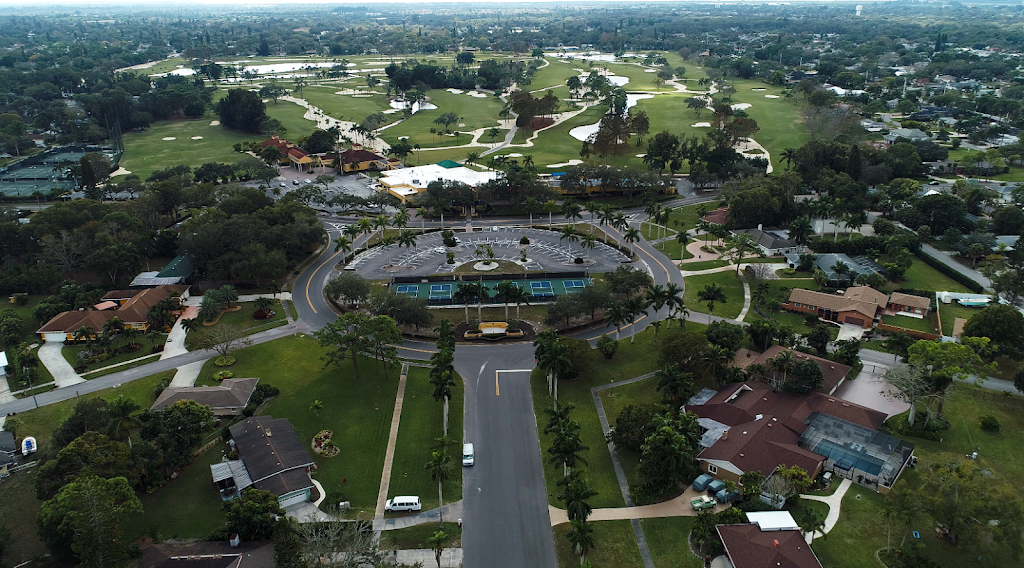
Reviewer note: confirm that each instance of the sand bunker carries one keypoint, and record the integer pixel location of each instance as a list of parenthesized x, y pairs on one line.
[(477, 95), (214, 123), (361, 96), (168, 138), (403, 137), (640, 155), (197, 137), (455, 91), (514, 155), (569, 163), (650, 70), (759, 89), (741, 106), (390, 111), (771, 96), (119, 172), (701, 125)]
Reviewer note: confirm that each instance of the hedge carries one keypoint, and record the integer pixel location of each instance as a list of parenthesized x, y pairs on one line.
[(970, 283)]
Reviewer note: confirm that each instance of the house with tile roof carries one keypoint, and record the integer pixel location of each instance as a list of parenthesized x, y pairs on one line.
[(858, 305), (834, 374), (749, 546), (753, 427), (359, 160), (133, 312), (271, 458), (900, 302), (772, 241)]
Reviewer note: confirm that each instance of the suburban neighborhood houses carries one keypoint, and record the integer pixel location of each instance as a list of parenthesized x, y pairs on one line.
[(630, 286)]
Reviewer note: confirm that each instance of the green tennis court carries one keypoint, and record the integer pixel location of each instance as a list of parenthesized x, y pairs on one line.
[(541, 290)]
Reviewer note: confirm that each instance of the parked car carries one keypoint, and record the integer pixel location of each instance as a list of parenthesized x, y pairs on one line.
[(703, 502), (404, 503)]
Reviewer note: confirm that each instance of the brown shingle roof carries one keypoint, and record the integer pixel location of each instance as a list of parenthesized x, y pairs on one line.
[(761, 446), (866, 294), (119, 294), (270, 447), (231, 393), (910, 300), (833, 372), (356, 156), (135, 309), (750, 547), (833, 302), (68, 322)]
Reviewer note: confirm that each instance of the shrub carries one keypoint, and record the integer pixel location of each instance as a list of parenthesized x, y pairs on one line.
[(524, 241), (789, 271), (607, 346), (578, 260), (221, 375), (513, 325), (224, 361), (930, 432), (989, 423), (448, 237), (164, 383), (263, 392), (249, 410), (225, 434)]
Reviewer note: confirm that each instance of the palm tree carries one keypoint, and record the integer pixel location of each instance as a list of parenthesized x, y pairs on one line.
[(264, 304), (550, 355), (550, 207), (132, 336), (209, 308), (569, 233), (783, 362), (315, 407), (712, 293), (632, 236), (381, 222), (800, 229), (517, 296), (575, 494), (674, 300), (605, 216), (385, 243), (581, 537), (465, 292), (589, 242), (716, 360), (531, 205), (365, 227), (675, 385), (342, 244), (121, 413), (504, 290), (441, 376), (789, 156), (440, 469), (635, 306), (422, 214), (616, 314), (401, 218), (656, 297), (83, 333), (840, 268), (436, 543)]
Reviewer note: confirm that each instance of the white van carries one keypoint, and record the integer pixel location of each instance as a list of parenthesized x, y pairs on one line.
[(404, 503), (467, 454)]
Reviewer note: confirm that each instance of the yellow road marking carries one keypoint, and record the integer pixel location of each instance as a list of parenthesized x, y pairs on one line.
[(497, 392), (311, 276)]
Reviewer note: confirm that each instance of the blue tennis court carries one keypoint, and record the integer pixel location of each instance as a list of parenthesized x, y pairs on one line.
[(573, 285), (542, 289), (440, 292), (411, 290)]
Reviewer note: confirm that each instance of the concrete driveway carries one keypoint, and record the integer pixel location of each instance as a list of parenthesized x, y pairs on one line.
[(869, 389), (850, 331), (64, 374)]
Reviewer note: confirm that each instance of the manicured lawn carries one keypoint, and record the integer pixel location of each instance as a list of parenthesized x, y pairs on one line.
[(731, 284), (147, 342), (555, 146), (685, 218), (416, 536), (421, 157), (640, 392), (615, 546), (240, 321), (18, 509), (668, 541), (187, 507), (146, 151), (421, 424), (779, 119), (673, 249), (473, 112), (703, 265), (357, 410), (920, 276), (949, 312), (860, 531), (25, 313), (291, 117), (908, 322), (347, 107), (534, 313)]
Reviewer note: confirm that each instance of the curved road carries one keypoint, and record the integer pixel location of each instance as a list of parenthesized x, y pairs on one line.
[(505, 507)]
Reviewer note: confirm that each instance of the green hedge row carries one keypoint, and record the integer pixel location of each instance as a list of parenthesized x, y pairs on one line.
[(971, 284)]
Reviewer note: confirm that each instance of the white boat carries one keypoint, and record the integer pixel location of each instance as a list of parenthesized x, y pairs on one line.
[(28, 446)]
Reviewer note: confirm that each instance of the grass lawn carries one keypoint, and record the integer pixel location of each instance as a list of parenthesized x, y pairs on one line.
[(18, 509), (25, 313), (731, 285), (421, 157), (615, 546), (779, 119), (949, 312), (908, 322), (685, 218), (357, 410), (146, 151), (187, 507), (860, 532), (674, 250), (421, 425), (473, 113), (241, 321), (703, 265), (555, 146), (416, 536), (291, 117), (920, 276), (668, 541), (147, 342)]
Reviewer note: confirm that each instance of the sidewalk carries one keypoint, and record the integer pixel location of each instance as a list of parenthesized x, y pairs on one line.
[(834, 502), (450, 557), (678, 507), (64, 374), (389, 456), (452, 514)]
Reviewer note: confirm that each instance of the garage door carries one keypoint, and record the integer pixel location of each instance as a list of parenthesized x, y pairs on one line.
[(56, 337), (294, 499), (855, 321)]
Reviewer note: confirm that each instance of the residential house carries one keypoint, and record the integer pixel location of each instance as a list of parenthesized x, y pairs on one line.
[(750, 546), (134, 313), (271, 458), (834, 374), (857, 305), (797, 76), (259, 554), (900, 302), (772, 241), (826, 261), (752, 427), (177, 271), (228, 398), (8, 451), (906, 134)]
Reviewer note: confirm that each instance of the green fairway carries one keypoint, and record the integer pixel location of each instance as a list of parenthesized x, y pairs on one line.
[(421, 424), (147, 151), (555, 146), (731, 285), (346, 107), (473, 113), (421, 157), (781, 125), (291, 117)]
